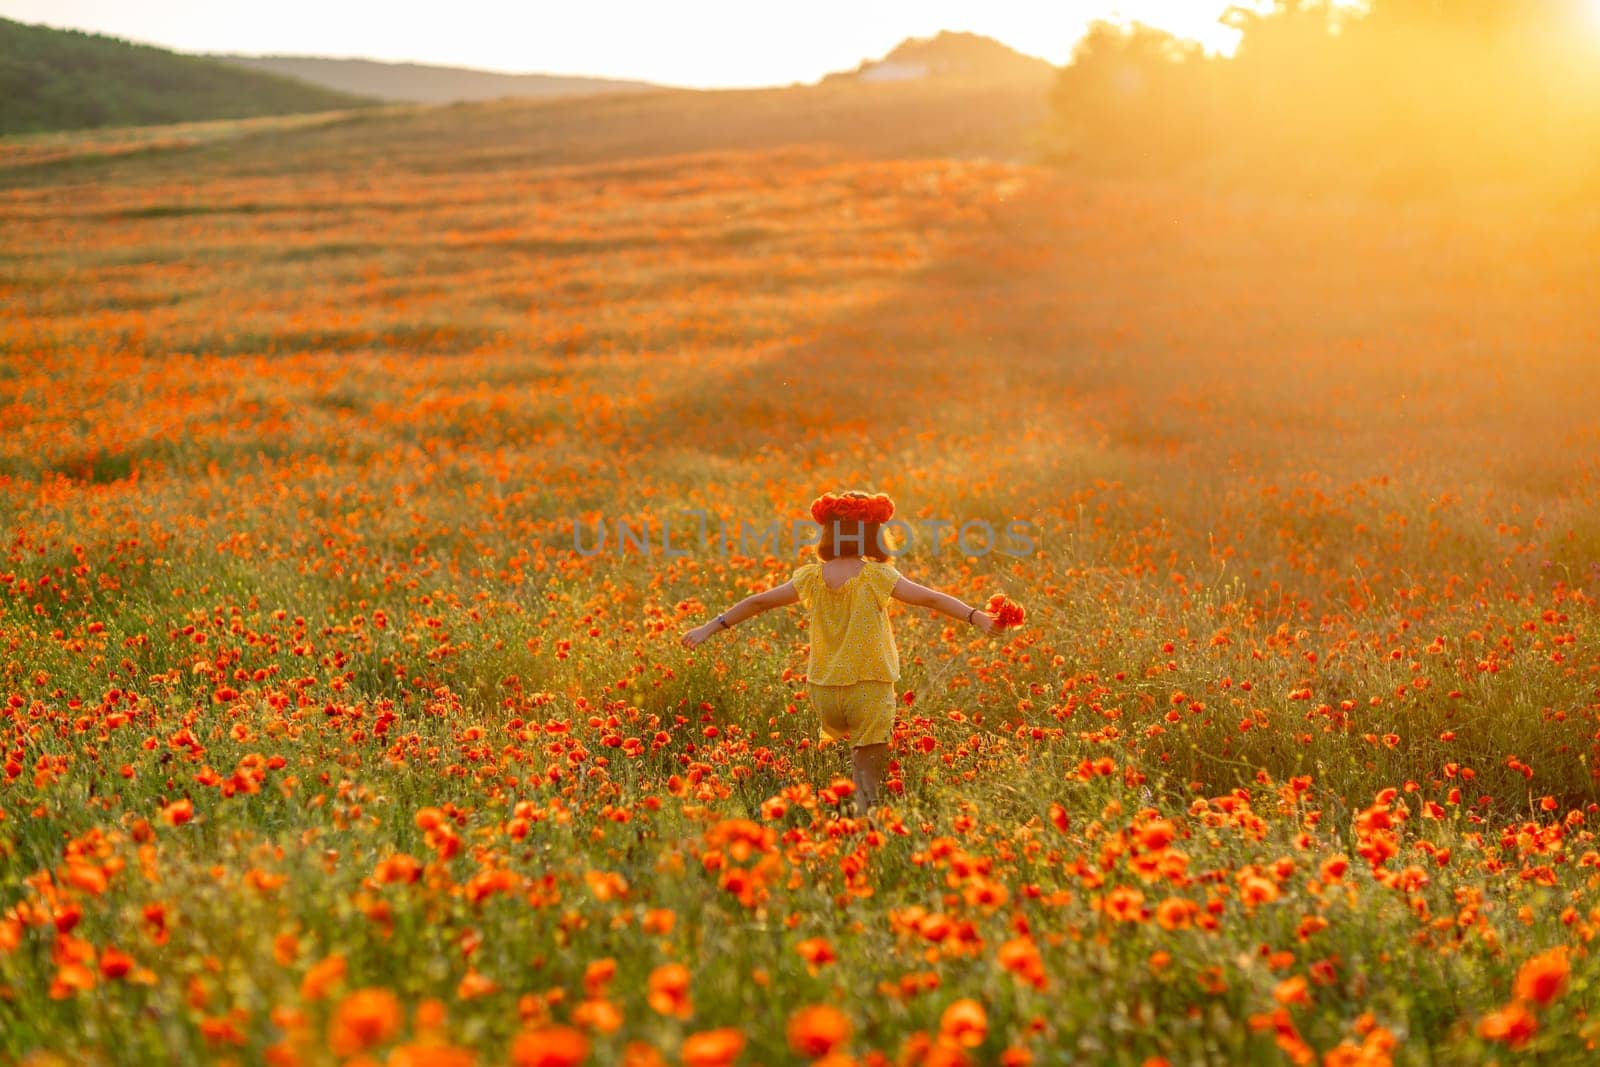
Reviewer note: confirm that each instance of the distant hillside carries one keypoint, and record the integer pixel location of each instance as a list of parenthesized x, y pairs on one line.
[(54, 79), (424, 84), (933, 118), (947, 56)]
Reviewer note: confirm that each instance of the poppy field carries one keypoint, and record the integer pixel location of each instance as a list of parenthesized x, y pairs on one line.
[(329, 736)]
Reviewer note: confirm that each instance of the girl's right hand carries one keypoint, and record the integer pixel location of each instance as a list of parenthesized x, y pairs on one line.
[(989, 624)]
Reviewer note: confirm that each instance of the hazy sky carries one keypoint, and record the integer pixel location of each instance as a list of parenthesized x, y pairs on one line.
[(701, 43)]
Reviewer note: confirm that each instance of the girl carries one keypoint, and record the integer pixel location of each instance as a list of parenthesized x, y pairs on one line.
[(854, 663)]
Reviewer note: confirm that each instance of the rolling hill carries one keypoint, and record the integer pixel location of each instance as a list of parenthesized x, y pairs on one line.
[(423, 83), (54, 79), (991, 111), (890, 120), (951, 56)]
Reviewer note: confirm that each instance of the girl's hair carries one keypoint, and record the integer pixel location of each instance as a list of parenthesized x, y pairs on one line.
[(845, 537), (852, 524)]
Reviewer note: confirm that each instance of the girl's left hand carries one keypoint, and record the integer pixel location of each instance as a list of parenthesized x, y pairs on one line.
[(692, 638)]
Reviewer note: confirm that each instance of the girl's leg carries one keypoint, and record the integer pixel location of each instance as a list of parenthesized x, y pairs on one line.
[(867, 764)]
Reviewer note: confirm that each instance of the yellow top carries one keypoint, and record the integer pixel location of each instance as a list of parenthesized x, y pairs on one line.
[(850, 636)]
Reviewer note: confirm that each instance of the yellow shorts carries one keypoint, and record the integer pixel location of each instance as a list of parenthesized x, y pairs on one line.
[(862, 714)]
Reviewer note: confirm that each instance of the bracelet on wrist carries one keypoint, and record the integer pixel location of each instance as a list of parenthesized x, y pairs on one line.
[(725, 624), (971, 613)]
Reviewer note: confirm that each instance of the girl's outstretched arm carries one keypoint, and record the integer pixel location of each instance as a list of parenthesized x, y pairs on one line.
[(909, 592), (750, 606)]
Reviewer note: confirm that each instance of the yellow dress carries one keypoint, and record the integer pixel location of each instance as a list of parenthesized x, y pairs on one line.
[(850, 636), (854, 662)]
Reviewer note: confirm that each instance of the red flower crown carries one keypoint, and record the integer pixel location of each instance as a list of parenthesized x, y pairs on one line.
[(852, 507)]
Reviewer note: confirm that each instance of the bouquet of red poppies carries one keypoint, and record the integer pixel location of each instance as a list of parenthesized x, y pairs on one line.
[(1008, 611)]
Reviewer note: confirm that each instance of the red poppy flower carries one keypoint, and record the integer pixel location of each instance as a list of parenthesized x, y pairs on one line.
[(1008, 611)]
